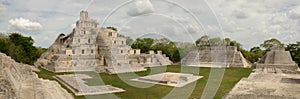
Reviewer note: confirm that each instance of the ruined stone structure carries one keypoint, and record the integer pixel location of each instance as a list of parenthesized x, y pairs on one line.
[(169, 79), (216, 56), (17, 81), (277, 58), (76, 83), (276, 76), (266, 85), (90, 48)]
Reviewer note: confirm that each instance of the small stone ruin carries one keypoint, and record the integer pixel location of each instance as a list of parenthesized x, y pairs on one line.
[(169, 79), (215, 56), (275, 59)]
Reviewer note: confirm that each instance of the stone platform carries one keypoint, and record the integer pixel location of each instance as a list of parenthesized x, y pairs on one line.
[(227, 56), (78, 86), (169, 79), (266, 85)]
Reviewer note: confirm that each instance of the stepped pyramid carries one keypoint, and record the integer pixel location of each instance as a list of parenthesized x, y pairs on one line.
[(92, 48), (277, 58), (215, 56)]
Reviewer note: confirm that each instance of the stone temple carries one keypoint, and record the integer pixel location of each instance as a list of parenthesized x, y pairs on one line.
[(215, 56), (277, 58), (92, 48), (276, 76)]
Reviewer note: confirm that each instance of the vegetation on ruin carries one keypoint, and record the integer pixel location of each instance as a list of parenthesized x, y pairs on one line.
[(166, 46), (294, 49), (230, 78), (20, 48), (207, 41)]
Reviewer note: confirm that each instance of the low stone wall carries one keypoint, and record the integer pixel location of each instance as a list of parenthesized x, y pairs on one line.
[(291, 67)]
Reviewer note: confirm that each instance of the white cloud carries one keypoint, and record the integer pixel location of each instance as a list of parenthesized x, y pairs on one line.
[(141, 7), (294, 13), (25, 25), (250, 22), (239, 14), (2, 7)]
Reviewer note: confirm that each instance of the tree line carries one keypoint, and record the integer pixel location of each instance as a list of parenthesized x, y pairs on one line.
[(176, 53), (166, 46), (20, 48)]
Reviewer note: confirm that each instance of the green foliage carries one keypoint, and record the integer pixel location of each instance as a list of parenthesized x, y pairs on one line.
[(254, 54), (184, 48), (295, 51), (167, 47), (171, 51), (203, 41), (5, 45), (113, 28), (20, 48), (207, 41), (129, 40), (145, 44), (271, 43)]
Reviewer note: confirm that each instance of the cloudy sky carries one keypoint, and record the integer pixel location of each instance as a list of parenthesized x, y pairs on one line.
[(249, 22)]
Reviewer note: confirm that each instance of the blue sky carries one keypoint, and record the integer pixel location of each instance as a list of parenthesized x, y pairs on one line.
[(249, 22)]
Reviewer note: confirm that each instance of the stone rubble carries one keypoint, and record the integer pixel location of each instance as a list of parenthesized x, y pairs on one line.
[(19, 81)]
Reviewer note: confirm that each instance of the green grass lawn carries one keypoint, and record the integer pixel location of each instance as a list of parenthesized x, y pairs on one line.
[(230, 78)]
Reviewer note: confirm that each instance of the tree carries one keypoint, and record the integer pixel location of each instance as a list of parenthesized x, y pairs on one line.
[(129, 40), (207, 41), (172, 52), (166, 46), (20, 48), (203, 41), (271, 43), (5, 45), (256, 53), (295, 51), (113, 28), (144, 44)]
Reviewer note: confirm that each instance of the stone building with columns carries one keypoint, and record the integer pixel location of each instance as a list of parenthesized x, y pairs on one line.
[(92, 48)]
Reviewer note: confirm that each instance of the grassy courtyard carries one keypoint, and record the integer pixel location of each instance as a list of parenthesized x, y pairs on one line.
[(230, 78)]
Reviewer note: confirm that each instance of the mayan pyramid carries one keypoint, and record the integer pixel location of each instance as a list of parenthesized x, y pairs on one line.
[(277, 58), (215, 56)]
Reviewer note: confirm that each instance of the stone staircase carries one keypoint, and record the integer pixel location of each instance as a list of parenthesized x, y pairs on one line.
[(215, 56), (191, 59), (120, 64), (162, 60)]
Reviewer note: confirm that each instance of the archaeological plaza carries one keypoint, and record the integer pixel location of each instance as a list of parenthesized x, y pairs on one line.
[(89, 48)]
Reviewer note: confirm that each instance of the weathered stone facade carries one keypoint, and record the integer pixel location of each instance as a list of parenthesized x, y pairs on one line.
[(277, 58), (17, 81), (90, 48), (215, 56)]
